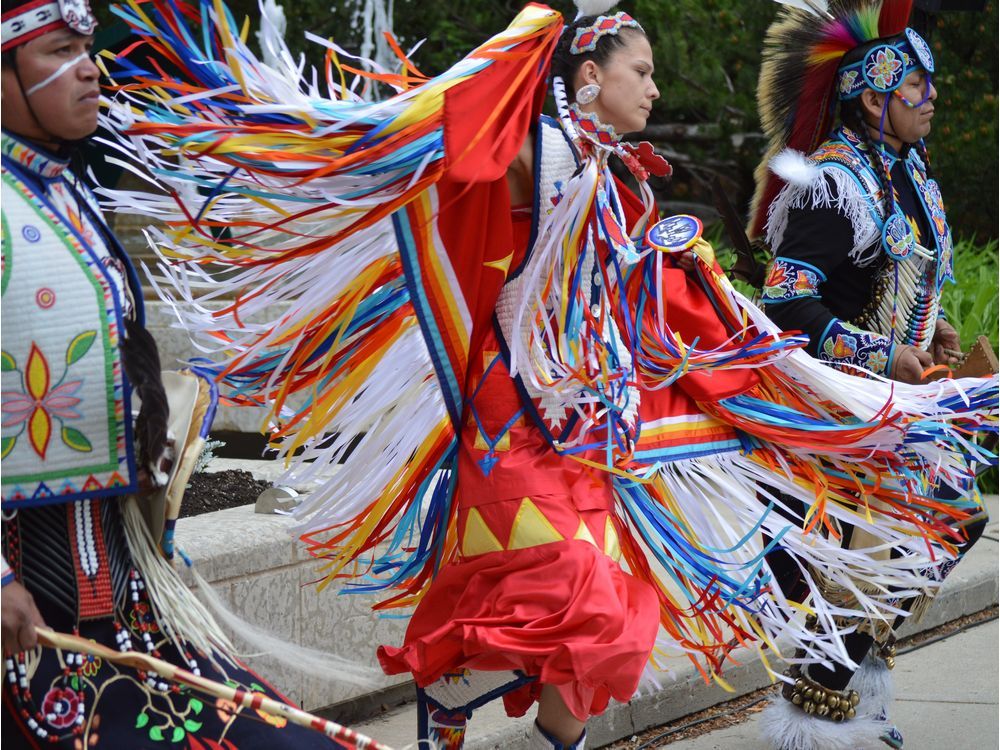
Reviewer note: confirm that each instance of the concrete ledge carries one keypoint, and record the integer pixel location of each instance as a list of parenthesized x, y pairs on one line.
[(175, 348), (258, 568)]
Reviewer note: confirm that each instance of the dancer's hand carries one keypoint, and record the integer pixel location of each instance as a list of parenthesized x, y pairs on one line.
[(945, 341), (909, 363), (18, 616), (685, 261)]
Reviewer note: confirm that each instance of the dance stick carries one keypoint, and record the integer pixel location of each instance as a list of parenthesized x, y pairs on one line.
[(247, 698)]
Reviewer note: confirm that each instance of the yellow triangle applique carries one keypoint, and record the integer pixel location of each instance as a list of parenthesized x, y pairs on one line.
[(583, 534), (478, 539), (480, 444), (531, 528), (502, 265), (612, 547)]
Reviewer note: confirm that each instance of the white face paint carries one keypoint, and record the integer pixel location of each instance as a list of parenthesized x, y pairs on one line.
[(59, 72)]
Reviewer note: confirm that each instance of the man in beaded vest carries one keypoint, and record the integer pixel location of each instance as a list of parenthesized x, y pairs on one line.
[(861, 250), (74, 352)]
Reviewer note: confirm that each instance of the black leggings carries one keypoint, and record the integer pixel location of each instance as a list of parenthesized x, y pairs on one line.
[(789, 578)]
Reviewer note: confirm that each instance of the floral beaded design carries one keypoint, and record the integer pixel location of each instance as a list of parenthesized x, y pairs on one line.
[(150, 712), (61, 707), (930, 195), (789, 279), (847, 345), (142, 620), (91, 665), (44, 403), (847, 81), (884, 68)]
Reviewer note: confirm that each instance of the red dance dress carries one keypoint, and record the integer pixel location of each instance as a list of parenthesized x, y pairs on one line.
[(537, 586)]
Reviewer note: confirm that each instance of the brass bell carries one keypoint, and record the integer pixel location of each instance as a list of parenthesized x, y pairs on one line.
[(809, 707), (851, 713), (837, 715), (854, 698), (832, 700), (822, 709), (797, 699)]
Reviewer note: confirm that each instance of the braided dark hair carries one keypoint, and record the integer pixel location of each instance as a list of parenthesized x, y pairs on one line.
[(565, 64), (141, 360), (852, 115), (921, 148)]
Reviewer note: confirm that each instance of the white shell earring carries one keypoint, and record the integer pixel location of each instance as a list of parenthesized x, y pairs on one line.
[(587, 93)]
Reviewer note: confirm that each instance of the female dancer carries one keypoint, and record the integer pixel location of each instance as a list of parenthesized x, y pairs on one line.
[(525, 389)]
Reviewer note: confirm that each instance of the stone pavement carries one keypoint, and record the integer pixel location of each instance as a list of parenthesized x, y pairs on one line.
[(949, 690), (946, 698)]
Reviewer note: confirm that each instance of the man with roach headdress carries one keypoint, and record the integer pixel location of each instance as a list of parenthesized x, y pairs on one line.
[(75, 351), (861, 250)]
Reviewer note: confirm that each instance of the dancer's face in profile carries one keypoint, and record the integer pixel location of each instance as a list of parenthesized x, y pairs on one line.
[(626, 81), (54, 92), (911, 109), (912, 123)]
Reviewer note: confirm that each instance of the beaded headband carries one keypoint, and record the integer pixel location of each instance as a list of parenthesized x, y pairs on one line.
[(885, 66), (587, 37), (27, 20)]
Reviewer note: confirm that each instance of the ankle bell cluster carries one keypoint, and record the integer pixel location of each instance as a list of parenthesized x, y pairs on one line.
[(813, 698), (887, 651)]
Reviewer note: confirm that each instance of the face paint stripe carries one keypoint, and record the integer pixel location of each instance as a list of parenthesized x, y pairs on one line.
[(65, 67)]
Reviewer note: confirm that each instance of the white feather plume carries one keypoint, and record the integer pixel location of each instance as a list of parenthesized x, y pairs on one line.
[(794, 168), (593, 7), (816, 7)]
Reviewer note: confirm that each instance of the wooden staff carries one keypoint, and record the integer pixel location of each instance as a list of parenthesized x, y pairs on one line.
[(246, 698)]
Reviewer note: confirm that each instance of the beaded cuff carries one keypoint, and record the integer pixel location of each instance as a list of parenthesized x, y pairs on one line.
[(845, 344), (788, 279)]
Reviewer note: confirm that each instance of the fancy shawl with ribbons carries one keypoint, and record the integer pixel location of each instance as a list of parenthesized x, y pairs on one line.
[(339, 258)]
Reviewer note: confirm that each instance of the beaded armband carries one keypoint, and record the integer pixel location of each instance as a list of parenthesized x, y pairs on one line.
[(845, 344), (789, 279), (7, 574)]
